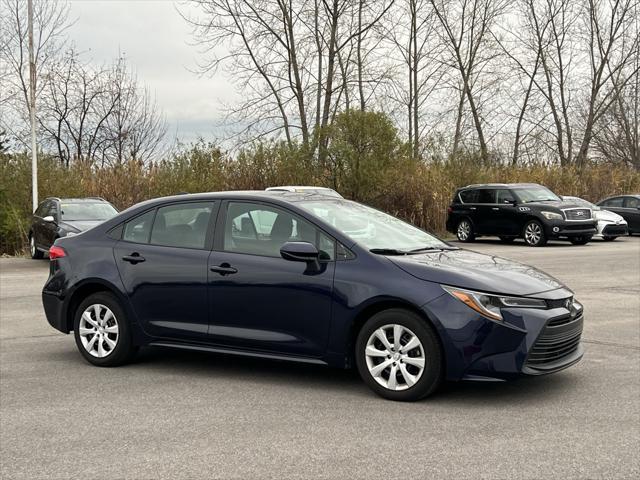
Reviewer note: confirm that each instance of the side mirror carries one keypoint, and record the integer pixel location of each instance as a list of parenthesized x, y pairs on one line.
[(300, 252), (49, 218)]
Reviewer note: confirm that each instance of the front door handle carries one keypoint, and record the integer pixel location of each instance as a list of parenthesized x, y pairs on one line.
[(495, 208), (223, 269), (133, 258), (472, 208)]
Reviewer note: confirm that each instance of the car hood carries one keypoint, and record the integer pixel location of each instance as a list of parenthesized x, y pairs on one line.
[(608, 216), (561, 204), (79, 225), (476, 271)]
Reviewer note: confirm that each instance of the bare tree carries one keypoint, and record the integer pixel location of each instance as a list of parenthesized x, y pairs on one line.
[(51, 20), (466, 28)]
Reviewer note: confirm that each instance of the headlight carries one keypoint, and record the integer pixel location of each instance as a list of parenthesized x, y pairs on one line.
[(552, 215), (489, 305)]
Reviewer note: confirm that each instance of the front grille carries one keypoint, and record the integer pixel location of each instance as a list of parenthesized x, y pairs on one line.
[(582, 226), (559, 339), (615, 230), (578, 214)]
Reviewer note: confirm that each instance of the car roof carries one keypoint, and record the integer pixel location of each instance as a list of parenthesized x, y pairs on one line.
[(78, 200), (501, 185)]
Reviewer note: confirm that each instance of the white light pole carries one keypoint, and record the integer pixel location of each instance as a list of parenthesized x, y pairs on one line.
[(32, 110)]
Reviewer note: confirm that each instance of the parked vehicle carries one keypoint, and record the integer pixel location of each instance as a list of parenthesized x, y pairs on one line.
[(610, 225), (58, 217), (321, 190), (518, 210), (627, 206), (273, 275)]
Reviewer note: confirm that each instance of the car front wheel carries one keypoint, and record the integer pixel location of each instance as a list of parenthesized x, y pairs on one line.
[(464, 232), (534, 235), (102, 331), (33, 250), (398, 355)]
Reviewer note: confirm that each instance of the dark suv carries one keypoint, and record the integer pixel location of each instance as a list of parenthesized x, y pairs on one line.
[(525, 210), (58, 217)]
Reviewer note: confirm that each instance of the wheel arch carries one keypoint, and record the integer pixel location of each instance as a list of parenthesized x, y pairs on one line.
[(83, 290), (380, 305)]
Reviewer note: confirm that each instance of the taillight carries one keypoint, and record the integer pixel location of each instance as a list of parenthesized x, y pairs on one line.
[(56, 252)]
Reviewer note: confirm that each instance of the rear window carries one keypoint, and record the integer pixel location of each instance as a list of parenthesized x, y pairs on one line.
[(468, 196)]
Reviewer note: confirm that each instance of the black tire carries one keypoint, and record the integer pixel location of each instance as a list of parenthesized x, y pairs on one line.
[(537, 240), (429, 348), (124, 350), (609, 239), (33, 250), (507, 239), (581, 240), (464, 231)]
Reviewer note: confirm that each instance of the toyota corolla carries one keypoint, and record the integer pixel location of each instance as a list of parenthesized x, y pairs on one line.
[(278, 275)]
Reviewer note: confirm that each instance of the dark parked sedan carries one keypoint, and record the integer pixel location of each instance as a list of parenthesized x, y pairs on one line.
[(58, 217), (276, 275), (627, 206)]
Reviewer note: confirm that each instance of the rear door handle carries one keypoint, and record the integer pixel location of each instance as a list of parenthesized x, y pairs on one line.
[(133, 258), (472, 208), (223, 269), (495, 208)]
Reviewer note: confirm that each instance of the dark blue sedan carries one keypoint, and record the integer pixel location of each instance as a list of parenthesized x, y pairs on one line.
[(307, 278)]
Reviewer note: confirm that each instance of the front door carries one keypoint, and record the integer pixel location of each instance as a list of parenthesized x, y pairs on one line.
[(163, 262), (259, 300)]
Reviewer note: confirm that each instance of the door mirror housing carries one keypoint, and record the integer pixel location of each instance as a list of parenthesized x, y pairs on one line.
[(300, 252), (49, 218)]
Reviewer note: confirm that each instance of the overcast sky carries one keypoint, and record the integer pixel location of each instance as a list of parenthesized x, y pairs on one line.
[(156, 42)]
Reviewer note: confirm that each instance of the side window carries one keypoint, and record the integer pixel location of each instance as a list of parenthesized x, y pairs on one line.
[(138, 229), (486, 195), (469, 196), (261, 230), (182, 225), (631, 202), (613, 202), (505, 196)]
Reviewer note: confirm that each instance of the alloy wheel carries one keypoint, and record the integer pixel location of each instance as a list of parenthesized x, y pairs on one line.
[(98, 330), (533, 233), (32, 246), (464, 230), (395, 357)]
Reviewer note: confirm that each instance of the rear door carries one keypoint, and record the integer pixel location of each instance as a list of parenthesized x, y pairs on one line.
[(486, 214), (467, 206), (162, 259)]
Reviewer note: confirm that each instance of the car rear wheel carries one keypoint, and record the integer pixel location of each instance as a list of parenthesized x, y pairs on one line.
[(33, 250), (534, 235), (102, 331), (398, 355), (581, 240), (464, 231)]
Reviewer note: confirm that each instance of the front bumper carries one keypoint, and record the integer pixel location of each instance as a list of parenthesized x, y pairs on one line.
[(528, 342), (612, 229), (568, 229)]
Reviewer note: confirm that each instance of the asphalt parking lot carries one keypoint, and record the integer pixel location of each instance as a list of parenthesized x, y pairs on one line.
[(189, 415)]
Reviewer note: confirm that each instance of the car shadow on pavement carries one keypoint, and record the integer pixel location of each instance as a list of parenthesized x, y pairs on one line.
[(297, 375)]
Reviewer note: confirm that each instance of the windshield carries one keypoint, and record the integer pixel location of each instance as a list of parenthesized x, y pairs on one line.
[(581, 201), (87, 211), (535, 194), (372, 228)]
